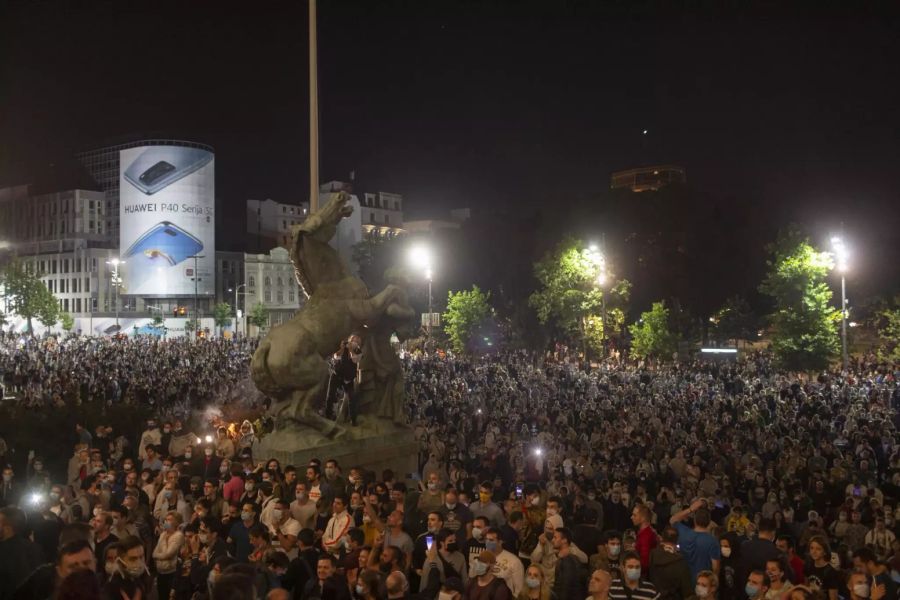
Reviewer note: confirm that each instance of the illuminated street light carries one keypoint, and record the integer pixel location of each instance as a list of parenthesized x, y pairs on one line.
[(841, 255), (117, 282), (420, 258)]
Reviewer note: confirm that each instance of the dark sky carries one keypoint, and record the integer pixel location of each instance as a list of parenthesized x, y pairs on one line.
[(456, 104)]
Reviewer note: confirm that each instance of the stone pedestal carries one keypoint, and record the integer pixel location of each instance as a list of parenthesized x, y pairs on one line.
[(370, 449)]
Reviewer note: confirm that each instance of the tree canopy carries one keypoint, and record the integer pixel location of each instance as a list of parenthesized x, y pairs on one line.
[(468, 313), (804, 322), (27, 296), (652, 335)]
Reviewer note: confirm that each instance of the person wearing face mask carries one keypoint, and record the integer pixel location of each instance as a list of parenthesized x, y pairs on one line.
[(608, 553), (706, 586), (669, 571), (432, 497), (475, 543), (534, 588), (631, 585), (865, 560), (777, 584), (132, 579), (757, 585), (483, 585), (239, 535), (180, 441), (333, 477), (457, 517), (508, 566), (207, 464), (443, 562), (860, 589), (369, 586), (251, 493), (165, 555), (485, 507), (434, 524)]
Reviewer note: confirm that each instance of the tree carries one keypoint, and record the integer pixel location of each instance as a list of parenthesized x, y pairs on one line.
[(259, 315), (468, 312), (804, 322), (67, 321), (190, 325), (373, 256), (222, 316), (889, 333), (735, 320), (570, 299), (27, 296), (652, 336)]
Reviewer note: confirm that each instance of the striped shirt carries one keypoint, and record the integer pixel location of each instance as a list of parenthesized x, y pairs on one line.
[(645, 590)]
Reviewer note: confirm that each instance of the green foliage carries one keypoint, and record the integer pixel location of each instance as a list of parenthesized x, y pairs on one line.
[(67, 321), (889, 334), (569, 296), (222, 315), (190, 325), (467, 313), (804, 322), (373, 256), (27, 296), (259, 315), (158, 321), (735, 320), (652, 336)]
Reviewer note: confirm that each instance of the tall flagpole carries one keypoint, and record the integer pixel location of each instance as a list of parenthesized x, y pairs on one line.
[(313, 112)]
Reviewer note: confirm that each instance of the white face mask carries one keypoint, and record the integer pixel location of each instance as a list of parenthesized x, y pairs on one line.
[(726, 551), (861, 590), (702, 591)]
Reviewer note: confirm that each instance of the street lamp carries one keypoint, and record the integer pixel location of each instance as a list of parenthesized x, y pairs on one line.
[(116, 281), (841, 254), (237, 292), (420, 258)]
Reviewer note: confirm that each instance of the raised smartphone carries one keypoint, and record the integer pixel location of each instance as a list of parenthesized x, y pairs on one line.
[(429, 542), (160, 166), (164, 244)]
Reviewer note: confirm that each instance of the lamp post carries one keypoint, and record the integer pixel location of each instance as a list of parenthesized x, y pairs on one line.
[(115, 262), (196, 257), (840, 252), (420, 257), (237, 292)]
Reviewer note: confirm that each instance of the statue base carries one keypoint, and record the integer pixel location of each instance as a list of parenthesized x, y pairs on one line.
[(374, 445)]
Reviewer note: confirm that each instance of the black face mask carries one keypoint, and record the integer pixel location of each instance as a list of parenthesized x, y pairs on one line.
[(384, 568), (452, 547)]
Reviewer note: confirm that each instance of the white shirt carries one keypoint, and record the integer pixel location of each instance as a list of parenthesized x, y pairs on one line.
[(289, 527), (265, 515), (509, 568)]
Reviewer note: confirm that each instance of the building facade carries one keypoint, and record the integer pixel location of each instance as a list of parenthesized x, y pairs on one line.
[(646, 179), (269, 280), (269, 222)]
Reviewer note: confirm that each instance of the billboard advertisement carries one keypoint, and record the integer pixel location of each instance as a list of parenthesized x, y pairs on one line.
[(166, 219)]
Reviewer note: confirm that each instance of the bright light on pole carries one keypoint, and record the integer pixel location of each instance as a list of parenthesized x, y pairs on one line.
[(841, 255), (116, 281), (420, 259)]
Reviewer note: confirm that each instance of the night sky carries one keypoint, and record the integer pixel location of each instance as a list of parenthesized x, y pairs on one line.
[(504, 106)]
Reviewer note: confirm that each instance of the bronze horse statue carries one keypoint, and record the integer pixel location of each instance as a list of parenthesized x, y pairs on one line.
[(290, 365)]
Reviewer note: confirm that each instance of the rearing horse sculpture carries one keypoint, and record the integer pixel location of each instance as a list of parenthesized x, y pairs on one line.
[(290, 364)]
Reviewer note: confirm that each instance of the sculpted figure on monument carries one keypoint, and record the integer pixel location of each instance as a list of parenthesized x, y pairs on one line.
[(290, 365)]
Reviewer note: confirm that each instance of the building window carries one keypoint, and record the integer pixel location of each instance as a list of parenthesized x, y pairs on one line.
[(291, 295), (280, 297), (87, 284), (267, 281), (268, 296), (280, 282), (387, 219), (78, 305), (252, 281)]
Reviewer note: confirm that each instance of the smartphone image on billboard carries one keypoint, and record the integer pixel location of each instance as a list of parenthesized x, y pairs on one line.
[(164, 244), (161, 166)]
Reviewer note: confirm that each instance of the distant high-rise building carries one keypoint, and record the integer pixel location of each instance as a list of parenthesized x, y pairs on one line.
[(644, 179)]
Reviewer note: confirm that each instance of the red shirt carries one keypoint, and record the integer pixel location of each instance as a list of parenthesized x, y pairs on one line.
[(645, 542), (797, 566)]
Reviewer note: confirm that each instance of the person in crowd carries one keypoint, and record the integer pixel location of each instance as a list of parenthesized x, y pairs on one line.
[(165, 555), (482, 582), (132, 578), (706, 586), (326, 583), (669, 570), (599, 584), (696, 544), (568, 579), (508, 566), (778, 584), (632, 585), (821, 576), (785, 545), (608, 552)]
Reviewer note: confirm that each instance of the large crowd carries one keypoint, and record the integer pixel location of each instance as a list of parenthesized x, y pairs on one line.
[(539, 479)]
